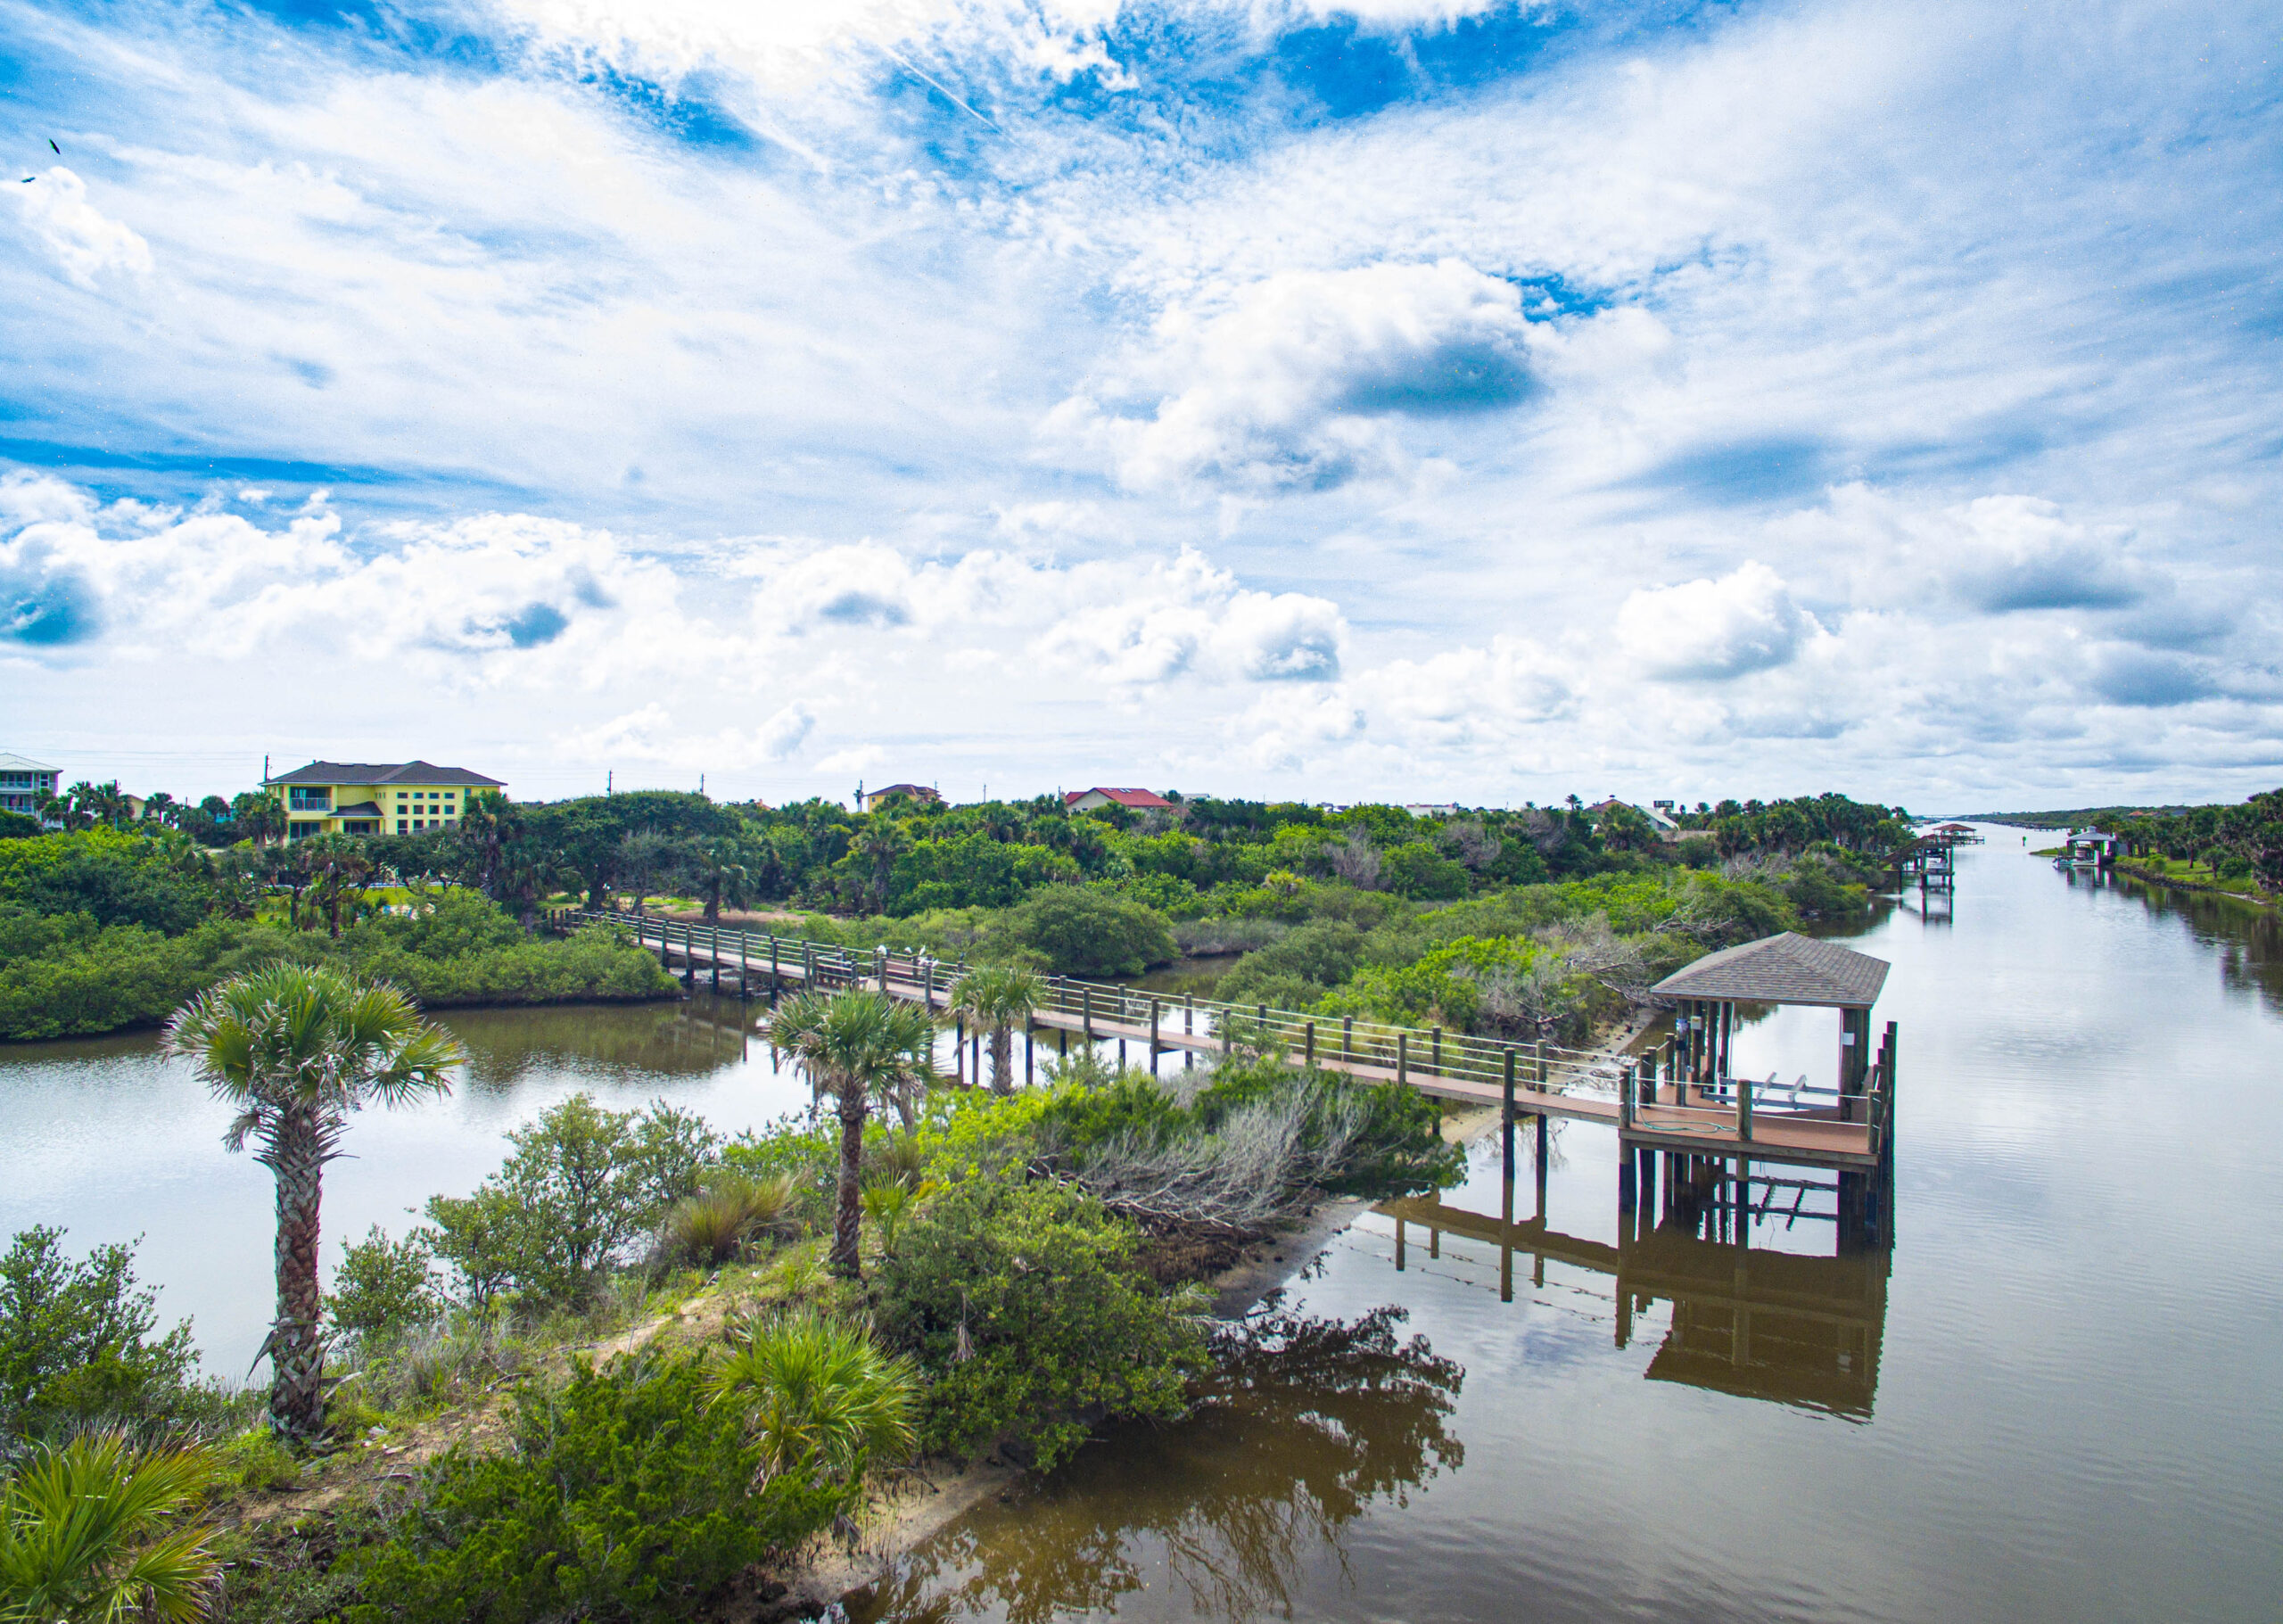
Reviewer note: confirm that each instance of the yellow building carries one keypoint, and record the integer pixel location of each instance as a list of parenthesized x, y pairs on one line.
[(373, 798)]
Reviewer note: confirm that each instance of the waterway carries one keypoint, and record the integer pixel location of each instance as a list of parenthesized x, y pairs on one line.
[(2058, 1394)]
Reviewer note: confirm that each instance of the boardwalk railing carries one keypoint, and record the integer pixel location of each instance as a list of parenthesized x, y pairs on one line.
[(1652, 1093)]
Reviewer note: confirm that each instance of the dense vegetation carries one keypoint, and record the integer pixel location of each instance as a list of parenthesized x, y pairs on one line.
[(105, 929), (1521, 922), (2239, 846)]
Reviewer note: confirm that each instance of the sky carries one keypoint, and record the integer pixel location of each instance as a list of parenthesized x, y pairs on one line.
[(1408, 400)]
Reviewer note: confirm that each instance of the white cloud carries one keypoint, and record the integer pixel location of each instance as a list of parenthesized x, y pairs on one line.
[(1128, 625), (83, 238), (1288, 382), (1744, 622)]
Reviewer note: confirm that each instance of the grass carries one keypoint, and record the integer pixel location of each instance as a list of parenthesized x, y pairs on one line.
[(2184, 872)]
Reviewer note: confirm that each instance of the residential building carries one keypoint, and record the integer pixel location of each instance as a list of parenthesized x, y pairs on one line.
[(1132, 800), (1432, 809), (878, 798), (25, 785), (1657, 812), (373, 798)]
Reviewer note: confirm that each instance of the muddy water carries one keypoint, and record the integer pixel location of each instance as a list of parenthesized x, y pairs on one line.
[(2057, 1395)]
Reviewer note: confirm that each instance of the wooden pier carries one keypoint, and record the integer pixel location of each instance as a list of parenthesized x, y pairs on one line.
[(1675, 1095)]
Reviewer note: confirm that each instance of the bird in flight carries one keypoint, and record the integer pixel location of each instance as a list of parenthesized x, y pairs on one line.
[(53, 148)]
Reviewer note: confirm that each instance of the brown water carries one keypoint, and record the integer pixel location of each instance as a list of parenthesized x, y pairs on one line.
[(2057, 1396)]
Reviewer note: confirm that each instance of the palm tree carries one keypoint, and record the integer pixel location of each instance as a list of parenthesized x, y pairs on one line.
[(488, 824), (855, 1044), (297, 1048), (819, 1393), (880, 844), (998, 997), (259, 816), (84, 1534), (338, 869), (722, 875)]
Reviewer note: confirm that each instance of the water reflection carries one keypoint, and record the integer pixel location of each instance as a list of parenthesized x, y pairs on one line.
[(1746, 1319), (2249, 937), (688, 1038), (1308, 1425)]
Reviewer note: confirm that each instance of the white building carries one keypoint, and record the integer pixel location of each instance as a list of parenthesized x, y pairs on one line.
[(25, 785)]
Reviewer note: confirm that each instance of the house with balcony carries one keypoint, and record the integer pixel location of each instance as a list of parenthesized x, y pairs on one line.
[(26, 785), (374, 797), (919, 794)]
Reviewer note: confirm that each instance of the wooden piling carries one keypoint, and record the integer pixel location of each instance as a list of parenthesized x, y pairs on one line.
[(1506, 1123)]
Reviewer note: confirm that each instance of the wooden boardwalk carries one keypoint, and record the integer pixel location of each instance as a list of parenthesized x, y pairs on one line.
[(1641, 1094)]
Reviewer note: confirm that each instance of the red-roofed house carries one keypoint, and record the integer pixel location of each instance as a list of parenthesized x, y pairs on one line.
[(1132, 800)]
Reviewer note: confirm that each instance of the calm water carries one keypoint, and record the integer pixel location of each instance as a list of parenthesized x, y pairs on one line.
[(2058, 1396), (106, 1139)]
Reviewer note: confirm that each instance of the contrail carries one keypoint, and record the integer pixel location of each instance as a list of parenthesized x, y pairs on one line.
[(948, 96)]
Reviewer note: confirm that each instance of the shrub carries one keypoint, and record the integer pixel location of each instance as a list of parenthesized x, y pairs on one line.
[(76, 1343), (625, 1496), (581, 1184), (1021, 1303), (93, 1529), (1419, 870), (1294, 972), (116, 879), (1085, 932), (383, 1288), (713, 1226), (819, 1396)]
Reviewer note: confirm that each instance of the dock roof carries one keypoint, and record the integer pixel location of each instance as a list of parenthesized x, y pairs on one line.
[(1786, 969)]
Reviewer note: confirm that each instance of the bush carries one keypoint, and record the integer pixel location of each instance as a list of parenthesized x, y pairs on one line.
[(1419, 870), (383, 1288), (581, 1184), (70, 972), (1294, 972), (1079, 931), (75, 1344), (715, 1225), (1020, 1301), (115, 879), (625, 1496)]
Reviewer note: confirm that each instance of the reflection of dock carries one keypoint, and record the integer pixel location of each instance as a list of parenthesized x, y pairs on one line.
[(1756, 1323)]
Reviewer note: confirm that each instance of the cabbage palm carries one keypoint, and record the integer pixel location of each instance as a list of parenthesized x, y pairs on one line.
[(998, 997), (819, 1393), (854, 1044), (296, 1049), (85, 1534)]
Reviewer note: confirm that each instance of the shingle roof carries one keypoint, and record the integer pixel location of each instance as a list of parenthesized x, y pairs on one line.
[(1789, 968), (383, 772), (18, 763), (1137, 798)]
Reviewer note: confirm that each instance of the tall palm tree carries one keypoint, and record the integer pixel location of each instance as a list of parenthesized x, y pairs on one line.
[(296, 1049), (998, 997), (85, 1534), (855, 1044)]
